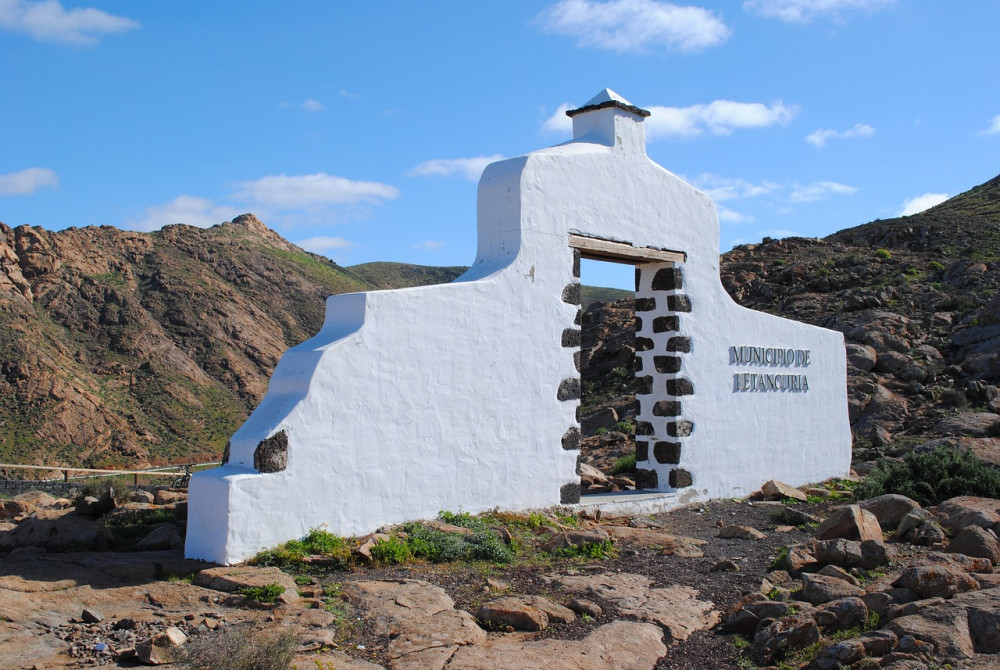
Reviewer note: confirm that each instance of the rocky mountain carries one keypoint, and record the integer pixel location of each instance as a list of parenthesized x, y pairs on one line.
[(918, 301), (119, 347)]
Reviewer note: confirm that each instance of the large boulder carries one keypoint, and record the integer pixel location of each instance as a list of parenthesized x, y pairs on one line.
[(975, 541), (850, 522), (819, 589), (957, 513), (889, 509)]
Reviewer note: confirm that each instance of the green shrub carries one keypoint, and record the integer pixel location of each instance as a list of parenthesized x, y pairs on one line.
[(485, 546), (937, 267), (932, 477), (263, 594), (435, 545), (593, 550), (240, 648), (392, 551), (317, 541), (624, 427), (623, 464), (601, 431), (884, 254)]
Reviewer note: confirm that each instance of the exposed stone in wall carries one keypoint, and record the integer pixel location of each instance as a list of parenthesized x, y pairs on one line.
[(271, 454), (571, 294), (569, 494), (680, 478), (225, 452), (569, 389), (659, 389), (571, 440)]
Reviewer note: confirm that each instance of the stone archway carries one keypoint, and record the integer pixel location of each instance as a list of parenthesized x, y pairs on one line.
[(660, 350)]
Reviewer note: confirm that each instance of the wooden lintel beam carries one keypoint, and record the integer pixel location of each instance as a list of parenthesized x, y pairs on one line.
[(606, 250)]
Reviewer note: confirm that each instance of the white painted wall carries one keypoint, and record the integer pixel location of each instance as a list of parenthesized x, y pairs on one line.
[(443, 397)]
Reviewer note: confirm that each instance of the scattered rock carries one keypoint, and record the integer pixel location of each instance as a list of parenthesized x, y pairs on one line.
[(584, 606), (159, 649), (850, 523), (975, 541), (936, 580), (889, 509), (818, 589), (741, 533), (777, 638), (775, 490), (957, 513), (515, 612), (676, 609)]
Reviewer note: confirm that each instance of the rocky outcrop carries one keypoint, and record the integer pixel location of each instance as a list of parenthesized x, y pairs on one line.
[(118, 347)]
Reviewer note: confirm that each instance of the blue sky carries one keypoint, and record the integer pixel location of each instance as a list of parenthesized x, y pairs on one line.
[(359, 130)]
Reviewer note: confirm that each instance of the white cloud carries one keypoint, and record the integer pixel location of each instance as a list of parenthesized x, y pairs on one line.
[(804, 11), (559, 123), (311, 105), (727, 215), (635, 25), (344, 93), (819, 137), (429, 245), (725, 188), (27, 181), (719, 117), (467, 168), (199, 212), (922, 202), (819, 190), (48, 20), (322, 244), (994, 127), (312, 190)]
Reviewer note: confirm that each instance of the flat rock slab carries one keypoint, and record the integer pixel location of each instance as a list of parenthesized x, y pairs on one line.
[(421, 619), (621, 645), (232, 579), (676, 609), (670, 544)]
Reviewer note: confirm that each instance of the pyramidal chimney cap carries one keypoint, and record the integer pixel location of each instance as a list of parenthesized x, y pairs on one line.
[(603, 100)]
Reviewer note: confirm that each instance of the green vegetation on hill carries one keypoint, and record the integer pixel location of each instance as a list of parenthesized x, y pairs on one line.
[(383, 275)]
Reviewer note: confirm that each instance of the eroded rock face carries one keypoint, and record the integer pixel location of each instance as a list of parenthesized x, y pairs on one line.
[(676, 609), (271, 455)]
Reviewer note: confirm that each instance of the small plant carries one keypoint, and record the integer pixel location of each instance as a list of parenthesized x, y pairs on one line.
[(601, 431), (263, 594), (937, 267), (591, 550), (624, 427), (624, 464), (240, 648), (884, 254), (392, 551)]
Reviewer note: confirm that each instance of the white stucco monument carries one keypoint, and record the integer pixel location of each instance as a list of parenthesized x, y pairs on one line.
[(464, 395)]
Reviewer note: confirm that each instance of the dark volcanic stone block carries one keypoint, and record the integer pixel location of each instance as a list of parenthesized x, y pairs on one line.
[(678, 303), (667, 279), (679, 387), (646, 479), (679, 478), (569, 389), (667, 364), (569, 494), (271, 454), (665, 324), (571, 439), (667, 452), (679, 344), (645, 304)]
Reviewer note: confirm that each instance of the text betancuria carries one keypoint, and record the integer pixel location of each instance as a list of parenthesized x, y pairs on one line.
[(769, 357)]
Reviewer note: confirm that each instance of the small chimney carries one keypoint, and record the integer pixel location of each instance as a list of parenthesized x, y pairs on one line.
[(610, 119)]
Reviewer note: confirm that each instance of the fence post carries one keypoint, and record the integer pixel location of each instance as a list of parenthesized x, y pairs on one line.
[(65, 475)]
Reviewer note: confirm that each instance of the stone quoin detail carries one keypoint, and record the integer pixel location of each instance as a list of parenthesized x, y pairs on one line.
[(459, 396)]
